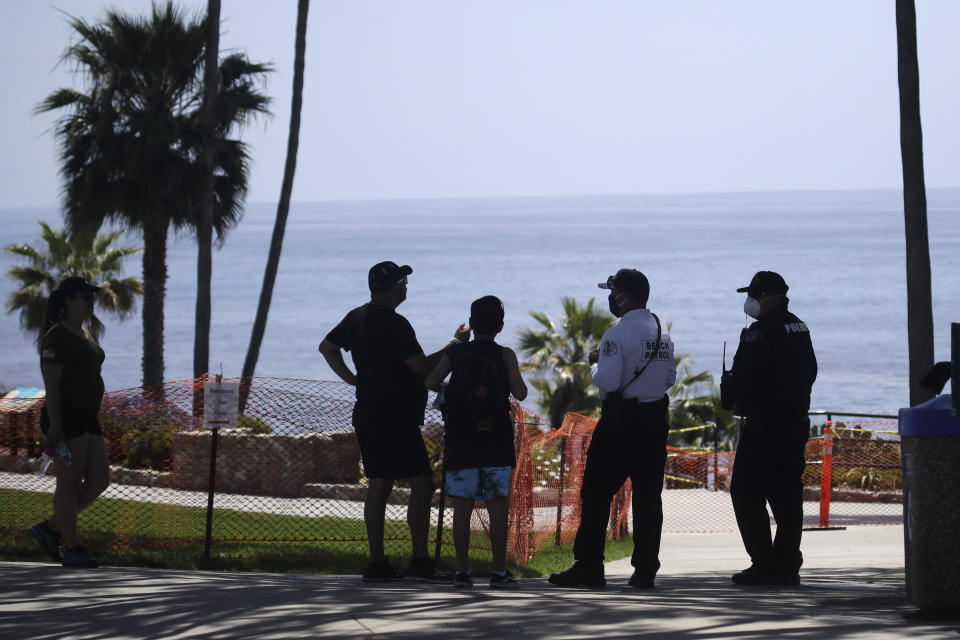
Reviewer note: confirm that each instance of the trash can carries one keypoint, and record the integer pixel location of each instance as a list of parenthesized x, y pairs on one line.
[(930, 439)]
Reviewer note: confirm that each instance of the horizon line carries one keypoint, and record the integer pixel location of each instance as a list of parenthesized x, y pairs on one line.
[(649, 194)]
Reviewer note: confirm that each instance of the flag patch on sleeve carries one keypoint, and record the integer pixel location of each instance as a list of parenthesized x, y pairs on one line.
[(48, 353)]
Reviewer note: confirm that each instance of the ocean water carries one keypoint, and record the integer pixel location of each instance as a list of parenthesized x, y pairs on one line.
[(841, 253)]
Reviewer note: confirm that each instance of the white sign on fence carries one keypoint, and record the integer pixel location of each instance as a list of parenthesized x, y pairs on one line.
[(221, 401)]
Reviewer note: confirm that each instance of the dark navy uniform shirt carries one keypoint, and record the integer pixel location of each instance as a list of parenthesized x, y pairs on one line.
[(774, 367)]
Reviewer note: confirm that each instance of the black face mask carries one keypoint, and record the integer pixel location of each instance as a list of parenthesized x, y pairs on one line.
[(614, 306)]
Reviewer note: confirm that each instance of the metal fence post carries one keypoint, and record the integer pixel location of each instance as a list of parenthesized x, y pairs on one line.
[(443, 503), (210, 492), (716, 456), (563, 460)]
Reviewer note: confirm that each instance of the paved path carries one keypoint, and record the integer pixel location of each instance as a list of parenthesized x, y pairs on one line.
[(853, 588)]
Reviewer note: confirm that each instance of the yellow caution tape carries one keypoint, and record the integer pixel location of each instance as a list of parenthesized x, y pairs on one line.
[(863, 430), (680, 479), (685, 429)]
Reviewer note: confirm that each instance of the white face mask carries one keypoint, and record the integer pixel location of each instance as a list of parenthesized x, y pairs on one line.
[(752, 307)]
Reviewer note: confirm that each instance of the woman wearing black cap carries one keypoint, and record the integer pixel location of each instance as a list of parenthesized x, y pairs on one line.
[(70, 361)]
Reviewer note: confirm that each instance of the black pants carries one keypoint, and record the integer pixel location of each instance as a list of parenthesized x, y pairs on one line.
[(637, 451), (769, 468)]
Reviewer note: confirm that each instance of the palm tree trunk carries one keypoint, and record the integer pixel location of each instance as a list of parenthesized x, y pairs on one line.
[(919, 304), (283, 207), (154, 290), (201, 336)]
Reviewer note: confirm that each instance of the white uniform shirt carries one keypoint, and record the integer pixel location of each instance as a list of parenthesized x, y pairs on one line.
[(625, 348)]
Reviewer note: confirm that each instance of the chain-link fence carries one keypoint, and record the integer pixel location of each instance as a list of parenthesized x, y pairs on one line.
[(854, 471), (289, 485)]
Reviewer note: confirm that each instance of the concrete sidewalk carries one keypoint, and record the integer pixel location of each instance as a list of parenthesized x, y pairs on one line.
[(853, 588)]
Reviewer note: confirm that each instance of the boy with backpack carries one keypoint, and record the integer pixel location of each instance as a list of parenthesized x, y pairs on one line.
[(480, 456)]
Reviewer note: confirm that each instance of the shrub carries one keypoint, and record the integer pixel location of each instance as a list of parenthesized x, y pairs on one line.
[(138, 441), (811, 475), (139, 432), (149, 448), (254, 424), (546, 466), (873, 479)]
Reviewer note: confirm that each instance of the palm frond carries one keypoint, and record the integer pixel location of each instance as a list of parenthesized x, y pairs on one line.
[(94, 259)]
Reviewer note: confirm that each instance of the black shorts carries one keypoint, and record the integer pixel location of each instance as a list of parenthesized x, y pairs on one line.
[(75, 422), (390, 451)]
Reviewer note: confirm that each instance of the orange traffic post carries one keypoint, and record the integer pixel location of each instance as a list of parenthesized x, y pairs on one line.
[(826, 479), (826, 475)]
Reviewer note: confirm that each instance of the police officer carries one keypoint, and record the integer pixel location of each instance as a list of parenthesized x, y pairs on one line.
[(633, 369), (769, 384)]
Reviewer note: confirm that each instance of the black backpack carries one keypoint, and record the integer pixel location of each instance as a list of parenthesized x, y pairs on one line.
[(477, 405)]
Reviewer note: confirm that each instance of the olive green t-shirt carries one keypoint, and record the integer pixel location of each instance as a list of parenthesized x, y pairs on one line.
[(81, 386)]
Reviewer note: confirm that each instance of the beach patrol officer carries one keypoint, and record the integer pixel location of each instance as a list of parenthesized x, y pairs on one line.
[(770, 382), (633, 369)]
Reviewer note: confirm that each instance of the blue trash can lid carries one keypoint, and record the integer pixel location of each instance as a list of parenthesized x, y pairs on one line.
[(932, 418)]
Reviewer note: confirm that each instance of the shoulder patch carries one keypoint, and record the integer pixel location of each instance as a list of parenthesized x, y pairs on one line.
[(796, 327), (609, 348), (752, 334)]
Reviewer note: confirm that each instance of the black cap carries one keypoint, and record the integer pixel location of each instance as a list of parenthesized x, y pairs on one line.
[(74, 284), (764, 284), (386, 274), (630, 281)]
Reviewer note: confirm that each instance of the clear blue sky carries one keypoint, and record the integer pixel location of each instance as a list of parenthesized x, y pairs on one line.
[(546, 97)]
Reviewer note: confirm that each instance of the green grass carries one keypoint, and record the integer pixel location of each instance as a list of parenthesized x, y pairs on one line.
[(552, 559), (131, 533)]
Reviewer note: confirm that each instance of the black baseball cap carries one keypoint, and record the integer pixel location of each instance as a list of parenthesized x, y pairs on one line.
[(765, 284), (76, 285), (630, 281), (384, 275)]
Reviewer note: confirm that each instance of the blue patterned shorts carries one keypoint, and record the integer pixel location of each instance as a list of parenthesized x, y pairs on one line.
[(481, 483)]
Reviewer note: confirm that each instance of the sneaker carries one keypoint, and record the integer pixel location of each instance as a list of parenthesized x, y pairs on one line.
[(463, 580), (787, 578), (78, 557), (381, 571), (424, 570), (754, 575), (641, 580), (503, 580), (49, 540), (579, 575)]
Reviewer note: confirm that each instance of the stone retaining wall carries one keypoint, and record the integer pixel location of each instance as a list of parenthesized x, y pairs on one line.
[(260, 464), (854, 495)]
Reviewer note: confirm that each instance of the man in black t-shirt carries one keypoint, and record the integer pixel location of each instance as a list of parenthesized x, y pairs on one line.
[(387, 416)]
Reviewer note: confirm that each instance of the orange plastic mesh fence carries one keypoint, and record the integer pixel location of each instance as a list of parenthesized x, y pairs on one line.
[(289, 482)]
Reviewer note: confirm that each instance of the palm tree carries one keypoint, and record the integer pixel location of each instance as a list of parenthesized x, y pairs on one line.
[(201, 336), (919, 304), (283, 207), (559, 351), (95, 259), (694, 402), (131, 144)]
